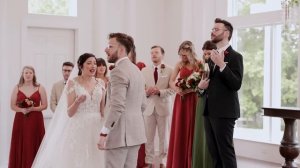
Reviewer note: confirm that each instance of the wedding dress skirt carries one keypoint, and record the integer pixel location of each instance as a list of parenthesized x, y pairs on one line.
[(79, 145), (71, 142)]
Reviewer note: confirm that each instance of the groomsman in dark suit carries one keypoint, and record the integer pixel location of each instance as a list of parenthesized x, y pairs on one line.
[(222, 106)]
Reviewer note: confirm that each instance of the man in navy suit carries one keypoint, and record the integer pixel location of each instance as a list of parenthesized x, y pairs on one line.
[(222, 106)]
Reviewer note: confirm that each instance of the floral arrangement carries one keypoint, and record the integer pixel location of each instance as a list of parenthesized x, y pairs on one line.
[(193, 79), (140, 65), (26, 103), (111, 67), (226, 52), (162, 67)]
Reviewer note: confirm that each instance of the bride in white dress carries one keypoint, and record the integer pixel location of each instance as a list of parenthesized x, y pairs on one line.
[(71, 139)]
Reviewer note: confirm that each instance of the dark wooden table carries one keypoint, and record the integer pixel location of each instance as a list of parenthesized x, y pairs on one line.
[(289, 147)]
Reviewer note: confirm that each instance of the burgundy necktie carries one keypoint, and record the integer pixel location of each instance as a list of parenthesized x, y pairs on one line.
[(155, 75)]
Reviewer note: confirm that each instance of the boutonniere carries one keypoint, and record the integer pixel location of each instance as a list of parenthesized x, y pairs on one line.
[(111, 67), (162, 67), (226, 52)]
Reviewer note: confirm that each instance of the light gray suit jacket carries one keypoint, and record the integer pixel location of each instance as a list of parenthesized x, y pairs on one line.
[(56, 92), (127, 103), (161, 103)]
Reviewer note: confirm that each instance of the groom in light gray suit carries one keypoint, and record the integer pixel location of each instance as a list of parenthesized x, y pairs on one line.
[(124, 129)]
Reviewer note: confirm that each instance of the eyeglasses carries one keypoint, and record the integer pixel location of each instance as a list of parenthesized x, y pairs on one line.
[(114, 45), (217, 29)]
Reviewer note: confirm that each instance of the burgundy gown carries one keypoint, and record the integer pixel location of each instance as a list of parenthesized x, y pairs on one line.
[(27, 134), (142, 151), (182, 129)]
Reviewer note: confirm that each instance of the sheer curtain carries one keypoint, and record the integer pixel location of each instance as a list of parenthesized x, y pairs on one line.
[(4, 92), (156, 22), (197, 20)]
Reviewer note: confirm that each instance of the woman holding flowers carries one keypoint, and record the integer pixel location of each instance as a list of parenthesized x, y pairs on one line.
[(182, 129), (27, 100), (201, 155)]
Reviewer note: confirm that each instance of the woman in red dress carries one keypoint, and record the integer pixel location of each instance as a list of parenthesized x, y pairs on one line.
[(182, 129), (28, 100)]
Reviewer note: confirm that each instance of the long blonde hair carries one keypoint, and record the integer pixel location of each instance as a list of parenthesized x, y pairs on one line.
[(34, 81), (189, 46)]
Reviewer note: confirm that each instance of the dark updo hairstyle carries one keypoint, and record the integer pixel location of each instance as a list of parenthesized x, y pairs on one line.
[(209, 45), (81, 60), (101, 61)]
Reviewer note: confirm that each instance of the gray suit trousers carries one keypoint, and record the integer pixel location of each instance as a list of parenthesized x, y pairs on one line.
[(124, 157)]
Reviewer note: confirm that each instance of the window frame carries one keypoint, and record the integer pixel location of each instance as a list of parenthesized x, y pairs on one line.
[(270, 133), (72, 10)]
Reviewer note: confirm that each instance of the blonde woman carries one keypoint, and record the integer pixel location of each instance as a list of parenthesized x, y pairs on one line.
[(28, 100), (182, 129)]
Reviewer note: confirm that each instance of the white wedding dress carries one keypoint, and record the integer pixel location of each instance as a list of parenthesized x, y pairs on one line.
[(76, 145)]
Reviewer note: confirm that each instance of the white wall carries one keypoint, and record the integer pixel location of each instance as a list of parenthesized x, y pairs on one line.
[(3, 76), (156, 22), (13, 25)]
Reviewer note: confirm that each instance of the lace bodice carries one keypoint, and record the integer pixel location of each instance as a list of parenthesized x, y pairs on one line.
[(92, 102)]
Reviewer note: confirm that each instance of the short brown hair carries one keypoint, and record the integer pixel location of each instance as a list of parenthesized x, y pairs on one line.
[(227, 25), (68, 64), (161, 49), (124, 39)]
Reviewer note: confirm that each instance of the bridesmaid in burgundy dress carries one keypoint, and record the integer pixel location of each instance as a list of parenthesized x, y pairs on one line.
[(182, 129), (28, 100)]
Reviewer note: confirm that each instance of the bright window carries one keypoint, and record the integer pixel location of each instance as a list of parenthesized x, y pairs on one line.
[(251, 43), (271, 66), (53, 7), (248, 7), (289, 67)]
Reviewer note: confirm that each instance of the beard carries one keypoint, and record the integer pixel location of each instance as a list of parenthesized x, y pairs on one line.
[(113, 57), (217, 38)]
